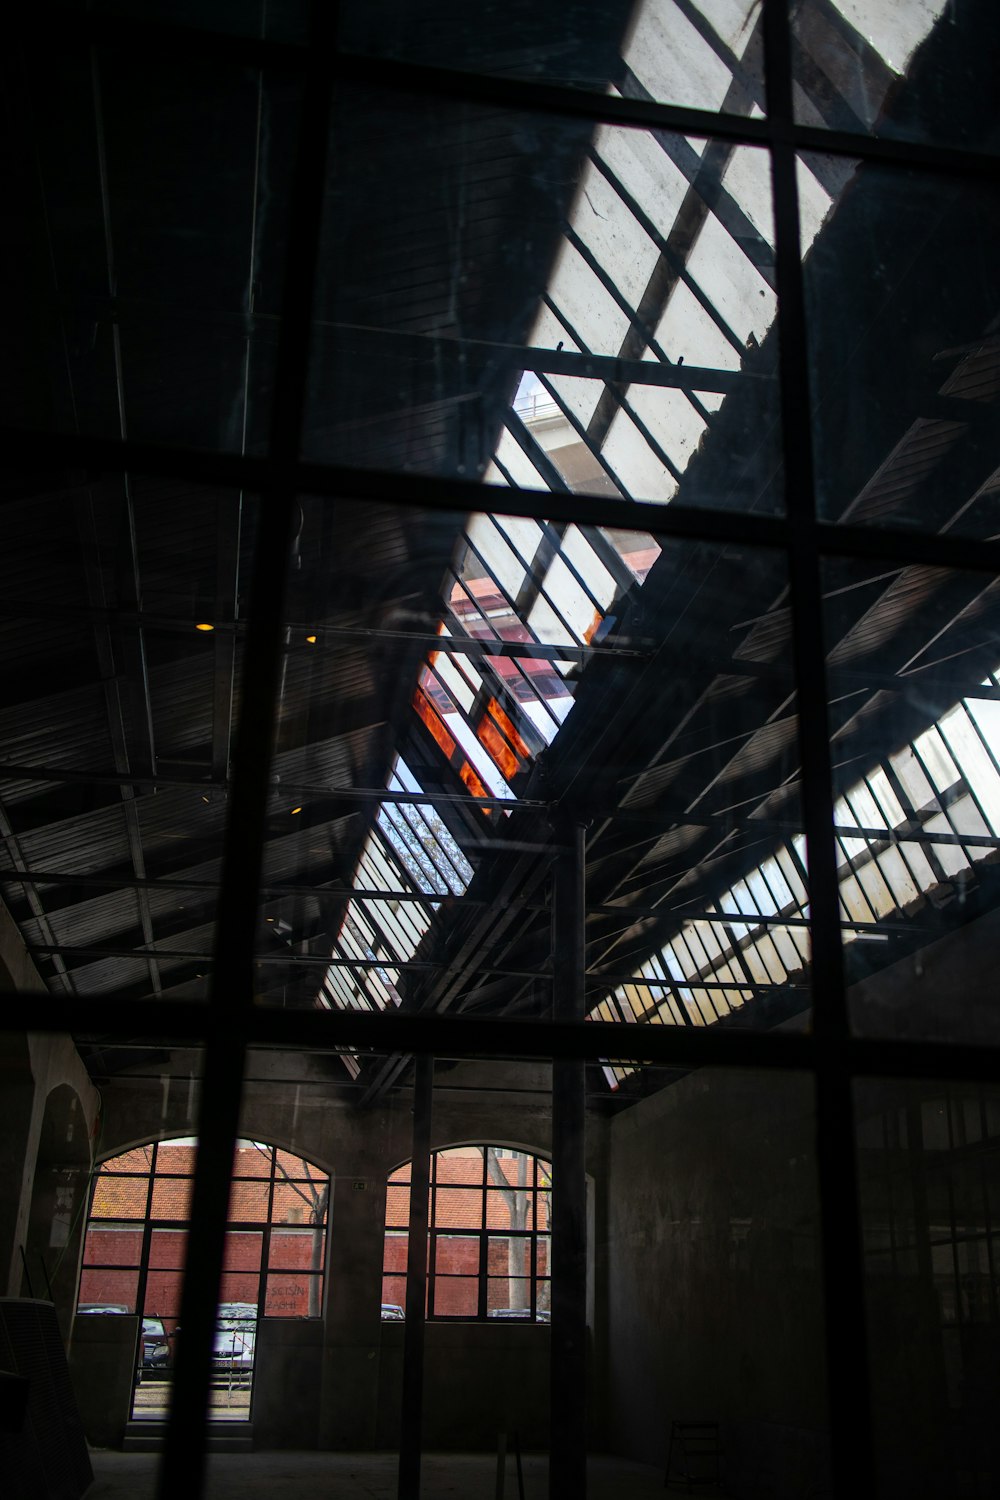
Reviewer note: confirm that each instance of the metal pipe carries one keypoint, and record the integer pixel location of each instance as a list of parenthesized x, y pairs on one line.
[(411, 1419)]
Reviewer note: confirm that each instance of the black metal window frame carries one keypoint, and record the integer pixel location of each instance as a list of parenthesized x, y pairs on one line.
[(534, 1238), (149, 1222), (231, 1022)]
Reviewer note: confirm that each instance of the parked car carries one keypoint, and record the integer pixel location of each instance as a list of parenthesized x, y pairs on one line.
[(522, 1314), (392, 1313), (154, 1345), (103, 1307), (235, 1337)]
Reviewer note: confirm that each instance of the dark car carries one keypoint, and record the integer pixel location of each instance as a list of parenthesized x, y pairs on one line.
[(154, 1345)]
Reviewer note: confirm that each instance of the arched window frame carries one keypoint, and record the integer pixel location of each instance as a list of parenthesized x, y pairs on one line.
[(489, 1235), (266, 1196)]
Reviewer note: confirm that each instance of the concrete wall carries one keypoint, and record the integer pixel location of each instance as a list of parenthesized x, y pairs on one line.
[(714, 1296), (480, 1380)]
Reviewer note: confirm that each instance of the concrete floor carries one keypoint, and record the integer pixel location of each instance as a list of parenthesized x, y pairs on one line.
[(367, 1476)]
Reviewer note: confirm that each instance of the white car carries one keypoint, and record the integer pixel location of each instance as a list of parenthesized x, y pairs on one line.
[(235, 1336)]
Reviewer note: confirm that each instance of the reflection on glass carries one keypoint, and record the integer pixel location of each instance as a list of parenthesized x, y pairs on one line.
[(124, 615), (519, 644), (904, 425), (155, 316), (712, 1186), (917, 819), (282, 20), (647, 357), (688, 52), (901, 68), (928, 1160)]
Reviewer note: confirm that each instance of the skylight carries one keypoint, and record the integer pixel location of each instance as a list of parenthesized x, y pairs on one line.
[(909, 832)]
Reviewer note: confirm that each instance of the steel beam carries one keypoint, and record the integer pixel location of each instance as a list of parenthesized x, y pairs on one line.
[(568, 1370)]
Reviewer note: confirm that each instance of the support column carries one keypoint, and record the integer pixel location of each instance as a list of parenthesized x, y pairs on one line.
[(411, 1424), (568, 1374)]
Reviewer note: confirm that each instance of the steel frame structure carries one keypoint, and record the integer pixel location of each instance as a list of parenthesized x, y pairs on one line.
[(230, 1024)]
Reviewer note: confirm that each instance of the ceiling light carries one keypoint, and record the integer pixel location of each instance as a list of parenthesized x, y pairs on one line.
[(204, 625), (296, 810), (311, 639)]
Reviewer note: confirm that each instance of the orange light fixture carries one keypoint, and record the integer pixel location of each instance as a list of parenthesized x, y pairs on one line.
[(204, 625)]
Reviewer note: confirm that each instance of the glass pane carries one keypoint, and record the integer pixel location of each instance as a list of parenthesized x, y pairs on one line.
[(248, 1201), (142, 586), (156, 315), (713, 1190), (252, 1159), (700, 867), (177, 1157), (279, 21), (931, 1282), (287, 1165), (904, 69), (508, 1297), (119, 1197), (293, 1295), (458, 1208), (139, 1160), (163, 1298), (240, 1288), (906, 258), (167, 1249), (509, 1208), (455, 1297), (303, 1202), (456, 1254), (510, 1256), (393, 1299), (296, 1249), (682, 671), (171, 1198), (394, 1255), (916, 735), (459, 1164), (112, 1245), (626, 343), (108, 1291), (397, 1205), (244, 1249), (704, 55)]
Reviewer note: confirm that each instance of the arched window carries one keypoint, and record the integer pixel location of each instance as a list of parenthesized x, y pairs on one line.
[(133, 1257), (488, 1250)]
